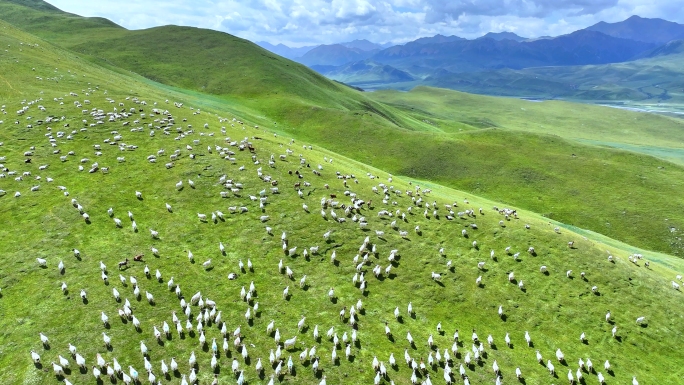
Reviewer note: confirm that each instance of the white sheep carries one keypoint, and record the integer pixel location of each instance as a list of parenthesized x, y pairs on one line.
[(559, 355), (288, 344), (550, 367)]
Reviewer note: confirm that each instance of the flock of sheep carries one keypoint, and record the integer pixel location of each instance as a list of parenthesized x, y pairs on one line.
[(375, 214)]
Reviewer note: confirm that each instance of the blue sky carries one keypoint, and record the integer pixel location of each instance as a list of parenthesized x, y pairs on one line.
[(307, 22)]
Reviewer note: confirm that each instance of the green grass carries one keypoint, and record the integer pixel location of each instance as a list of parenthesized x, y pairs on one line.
[(566, 120), (44, 224), (419, 137)]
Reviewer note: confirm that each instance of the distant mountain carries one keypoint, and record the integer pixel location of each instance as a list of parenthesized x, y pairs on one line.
[(459, 55), (334, 55), (657, 78), (293, 53), (503, 36), (364, 72), (437, 39), (285, 51), (673, 47), (656, 31), (363, 45)]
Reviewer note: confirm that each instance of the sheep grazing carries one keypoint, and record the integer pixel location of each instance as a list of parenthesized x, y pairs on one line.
[(289, 344), (59, 371), (559, 355), (550, 367), (107, 340)]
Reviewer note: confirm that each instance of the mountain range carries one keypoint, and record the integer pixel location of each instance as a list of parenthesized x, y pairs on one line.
[(355, 48), (636, 28), (472, 65)]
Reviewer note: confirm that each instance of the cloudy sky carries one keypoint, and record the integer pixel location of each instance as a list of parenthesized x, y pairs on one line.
[(306, 22)]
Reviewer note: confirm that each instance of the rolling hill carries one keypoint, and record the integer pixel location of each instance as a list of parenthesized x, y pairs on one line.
[(44, 225), (364, 73), (218, 71)]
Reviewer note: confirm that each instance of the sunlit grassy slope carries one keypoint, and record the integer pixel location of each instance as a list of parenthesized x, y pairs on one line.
[(429, 146), (457, 149), (553, 308), (567, 120)]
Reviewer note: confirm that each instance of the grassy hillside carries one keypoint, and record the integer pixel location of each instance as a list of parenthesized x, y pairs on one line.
[(172, 55), (269, 89), (45, 224), (567, 120)]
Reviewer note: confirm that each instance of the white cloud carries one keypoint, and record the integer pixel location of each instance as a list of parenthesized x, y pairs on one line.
[(305, 22)]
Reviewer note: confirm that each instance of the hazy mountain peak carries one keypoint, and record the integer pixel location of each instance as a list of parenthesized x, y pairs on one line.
[(437, 39), (285, 51), (637, 28), (362, 44), (503, 36)]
